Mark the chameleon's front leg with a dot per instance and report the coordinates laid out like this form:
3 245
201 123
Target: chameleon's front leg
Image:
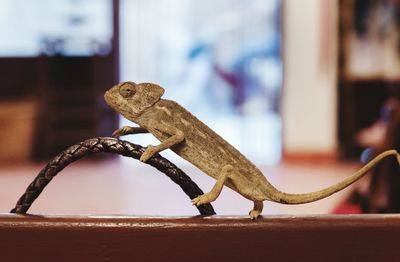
127 130
176 136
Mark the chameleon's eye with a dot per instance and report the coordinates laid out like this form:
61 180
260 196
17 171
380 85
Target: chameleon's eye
127 90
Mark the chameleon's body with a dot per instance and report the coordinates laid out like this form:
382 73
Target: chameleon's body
194 141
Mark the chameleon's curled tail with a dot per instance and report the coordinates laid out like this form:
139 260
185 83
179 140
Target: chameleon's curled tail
286 198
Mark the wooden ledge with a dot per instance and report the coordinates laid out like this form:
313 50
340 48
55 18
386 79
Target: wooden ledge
275 222
272 238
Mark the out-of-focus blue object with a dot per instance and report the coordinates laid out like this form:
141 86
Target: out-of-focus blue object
367 155
220 59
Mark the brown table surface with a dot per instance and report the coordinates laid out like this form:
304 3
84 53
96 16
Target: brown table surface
272 238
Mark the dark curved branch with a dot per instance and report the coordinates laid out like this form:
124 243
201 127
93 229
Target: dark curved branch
108 145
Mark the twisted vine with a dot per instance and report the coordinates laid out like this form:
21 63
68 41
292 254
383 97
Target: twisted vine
108 145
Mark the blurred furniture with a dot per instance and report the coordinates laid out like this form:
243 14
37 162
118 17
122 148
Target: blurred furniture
383 194
66 83
369 98
71 89
40 96
17 107
368 67
16 130
71 104
360 103
273 238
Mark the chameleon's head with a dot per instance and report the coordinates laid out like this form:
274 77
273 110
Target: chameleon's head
132 99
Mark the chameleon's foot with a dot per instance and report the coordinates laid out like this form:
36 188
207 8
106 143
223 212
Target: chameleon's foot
254 214
203 199
122 131
148 153
216 190
257 209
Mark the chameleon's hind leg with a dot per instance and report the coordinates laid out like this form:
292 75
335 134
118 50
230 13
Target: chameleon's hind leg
257 209
226 172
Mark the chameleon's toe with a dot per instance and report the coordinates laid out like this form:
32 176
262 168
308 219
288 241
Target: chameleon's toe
195 201
117 133
203 199
144 157
200 200
254 214
120 132
148 153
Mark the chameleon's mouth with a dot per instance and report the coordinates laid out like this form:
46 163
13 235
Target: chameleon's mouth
110 97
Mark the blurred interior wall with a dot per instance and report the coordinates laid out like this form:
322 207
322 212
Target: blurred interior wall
310 92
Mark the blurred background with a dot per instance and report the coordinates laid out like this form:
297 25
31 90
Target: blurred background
306 89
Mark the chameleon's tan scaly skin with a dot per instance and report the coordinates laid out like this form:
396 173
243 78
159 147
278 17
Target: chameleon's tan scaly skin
194 141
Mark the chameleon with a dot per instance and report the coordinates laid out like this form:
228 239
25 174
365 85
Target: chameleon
179 130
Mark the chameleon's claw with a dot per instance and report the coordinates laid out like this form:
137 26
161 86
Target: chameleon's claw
148 153
116 133
121 131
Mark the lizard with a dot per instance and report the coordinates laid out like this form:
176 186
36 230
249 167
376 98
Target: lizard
179 130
